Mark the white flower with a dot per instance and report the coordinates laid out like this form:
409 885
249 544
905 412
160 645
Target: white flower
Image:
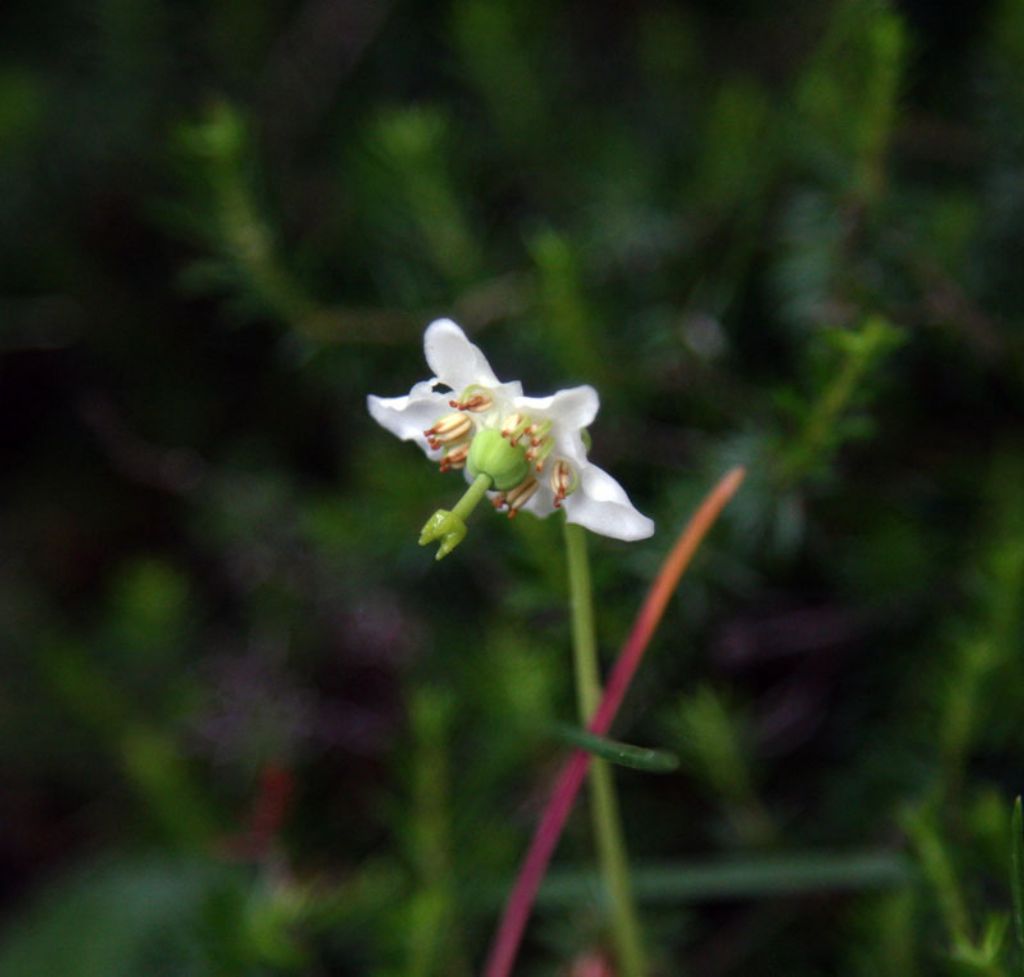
532 447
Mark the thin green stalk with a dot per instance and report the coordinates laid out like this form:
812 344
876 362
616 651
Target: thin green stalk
604 809
476 491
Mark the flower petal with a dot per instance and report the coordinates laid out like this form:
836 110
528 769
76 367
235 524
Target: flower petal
454 359
601 505
408 417
571 409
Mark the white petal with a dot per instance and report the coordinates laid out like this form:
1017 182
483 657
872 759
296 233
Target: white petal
408 417
454 359
571 409
601 505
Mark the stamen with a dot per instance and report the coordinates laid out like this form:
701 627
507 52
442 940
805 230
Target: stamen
512 424
538 452
455 457
449 429
474 398
538 432
516 498
514 427
563 481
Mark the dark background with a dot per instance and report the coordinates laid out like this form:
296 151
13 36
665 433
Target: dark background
249 727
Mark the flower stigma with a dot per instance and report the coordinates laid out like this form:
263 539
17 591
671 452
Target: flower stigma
450 526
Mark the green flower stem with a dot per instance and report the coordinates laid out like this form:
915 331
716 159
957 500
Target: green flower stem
473 495
605 808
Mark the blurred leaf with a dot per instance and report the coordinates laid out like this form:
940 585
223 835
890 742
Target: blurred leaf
492 41
413 199
712 743
156 768
122 917
738 150
741 878
149 610
621 754
570 329
848 93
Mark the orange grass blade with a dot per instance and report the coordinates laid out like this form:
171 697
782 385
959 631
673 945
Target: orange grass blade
570 779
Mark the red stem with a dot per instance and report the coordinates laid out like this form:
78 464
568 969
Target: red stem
570 779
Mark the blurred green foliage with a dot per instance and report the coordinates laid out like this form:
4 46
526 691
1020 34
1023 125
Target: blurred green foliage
248 727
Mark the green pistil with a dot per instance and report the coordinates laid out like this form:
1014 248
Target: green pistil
450 526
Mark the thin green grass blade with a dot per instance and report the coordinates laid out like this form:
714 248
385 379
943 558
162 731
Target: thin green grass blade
622 754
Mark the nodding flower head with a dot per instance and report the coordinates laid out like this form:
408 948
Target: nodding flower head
530 453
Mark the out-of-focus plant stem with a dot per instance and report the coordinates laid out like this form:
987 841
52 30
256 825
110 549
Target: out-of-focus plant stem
605 809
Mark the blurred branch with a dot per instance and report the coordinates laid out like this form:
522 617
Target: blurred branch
710 740
150 758
247 264
980 952
859 351
175 470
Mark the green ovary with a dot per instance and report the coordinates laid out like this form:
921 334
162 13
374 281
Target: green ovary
493 455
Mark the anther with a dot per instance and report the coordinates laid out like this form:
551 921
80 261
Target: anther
514 427
563 481
538 452
455 457
449 429
538 432
516 498
473 398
